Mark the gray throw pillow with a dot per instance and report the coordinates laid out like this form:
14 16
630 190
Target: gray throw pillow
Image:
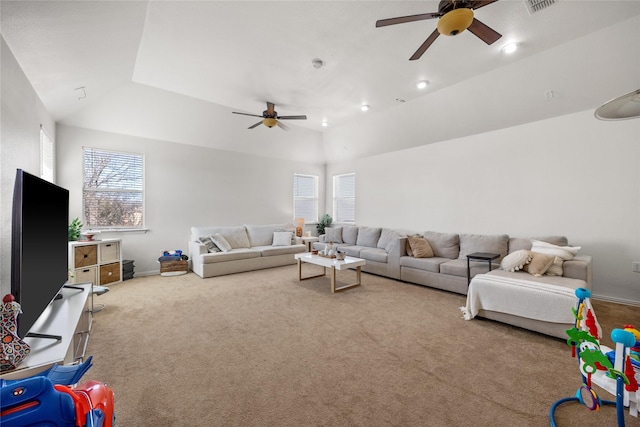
368 236
211 247
444 245
333 234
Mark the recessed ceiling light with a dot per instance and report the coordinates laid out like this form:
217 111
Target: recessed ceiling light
364 107
325 124
509 48
422 84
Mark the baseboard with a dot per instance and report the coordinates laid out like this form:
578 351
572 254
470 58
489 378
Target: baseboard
146 273
616 300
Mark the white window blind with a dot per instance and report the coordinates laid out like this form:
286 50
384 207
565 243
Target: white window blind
344 198
305 197
113 190
47 156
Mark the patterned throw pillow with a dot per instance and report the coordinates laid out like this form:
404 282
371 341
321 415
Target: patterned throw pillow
516 260
221 242
211 247
12 348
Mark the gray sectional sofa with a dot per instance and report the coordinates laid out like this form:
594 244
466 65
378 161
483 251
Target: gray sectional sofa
252 247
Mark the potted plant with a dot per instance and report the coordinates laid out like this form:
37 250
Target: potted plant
75 229
324 221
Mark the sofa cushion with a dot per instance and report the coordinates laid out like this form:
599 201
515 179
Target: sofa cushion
539 264
220 241
349 234
368 236
516 260
262 235
444 245
426 264
564 252
555 269
458 267
333 234
236 236
420 247
374 254
280 250
232 255
351 250
387 239
496 244
517 243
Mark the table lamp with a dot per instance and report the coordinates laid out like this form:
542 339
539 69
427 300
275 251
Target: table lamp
299 225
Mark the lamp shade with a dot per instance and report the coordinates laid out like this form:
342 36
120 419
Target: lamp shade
455 22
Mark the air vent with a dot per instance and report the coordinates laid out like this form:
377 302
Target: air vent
534 6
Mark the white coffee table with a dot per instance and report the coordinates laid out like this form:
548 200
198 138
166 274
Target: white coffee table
334 264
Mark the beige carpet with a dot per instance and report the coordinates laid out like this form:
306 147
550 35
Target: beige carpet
262 349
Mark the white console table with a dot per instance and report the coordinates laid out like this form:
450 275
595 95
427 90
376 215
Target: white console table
69 317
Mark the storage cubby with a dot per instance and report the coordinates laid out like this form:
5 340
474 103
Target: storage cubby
98 262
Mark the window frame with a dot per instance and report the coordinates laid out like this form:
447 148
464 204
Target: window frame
142 191
338 198
314 198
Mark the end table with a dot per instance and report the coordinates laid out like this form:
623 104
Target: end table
479 256
308 240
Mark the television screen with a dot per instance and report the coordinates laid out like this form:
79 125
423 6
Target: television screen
39 245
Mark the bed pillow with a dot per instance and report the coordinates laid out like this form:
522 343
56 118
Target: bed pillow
564 252
516 260
282 238
539 264
221 242
420 247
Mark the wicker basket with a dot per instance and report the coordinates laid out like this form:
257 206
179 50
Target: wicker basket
171 266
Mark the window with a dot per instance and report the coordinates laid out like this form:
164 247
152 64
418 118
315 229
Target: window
47 156
113 190
344 198
305 197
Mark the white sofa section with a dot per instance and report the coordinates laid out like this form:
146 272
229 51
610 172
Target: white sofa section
252 248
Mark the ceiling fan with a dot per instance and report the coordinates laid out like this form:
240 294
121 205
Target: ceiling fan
455 16
270 117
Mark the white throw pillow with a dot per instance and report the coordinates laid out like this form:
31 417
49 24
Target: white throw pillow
282 238
221 242
564 252
516 260
556 268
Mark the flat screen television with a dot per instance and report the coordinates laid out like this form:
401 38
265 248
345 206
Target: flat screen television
39 245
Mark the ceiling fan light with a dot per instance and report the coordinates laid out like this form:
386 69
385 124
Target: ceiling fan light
455 22
509 48
269 122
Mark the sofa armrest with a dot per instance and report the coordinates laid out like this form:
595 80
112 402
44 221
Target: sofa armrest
395 251
578 268
196 249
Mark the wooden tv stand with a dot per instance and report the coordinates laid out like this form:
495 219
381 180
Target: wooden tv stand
70 318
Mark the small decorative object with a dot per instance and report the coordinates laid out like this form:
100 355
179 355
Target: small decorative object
75 229
299 226
324 222
314 252
340 255
12 348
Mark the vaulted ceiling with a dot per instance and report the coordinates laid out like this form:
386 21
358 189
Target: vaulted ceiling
223 56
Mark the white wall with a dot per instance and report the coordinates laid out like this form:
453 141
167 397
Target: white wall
571 175
22 114
186 186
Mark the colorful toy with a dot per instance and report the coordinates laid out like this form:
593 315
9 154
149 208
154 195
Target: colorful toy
612 370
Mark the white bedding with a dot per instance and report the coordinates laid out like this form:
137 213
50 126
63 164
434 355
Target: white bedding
519 297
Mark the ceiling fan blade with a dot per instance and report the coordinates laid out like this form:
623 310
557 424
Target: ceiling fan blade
282 125
481 3
410 18
422 49
245 114
484 33
270 108
256 125
293 117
